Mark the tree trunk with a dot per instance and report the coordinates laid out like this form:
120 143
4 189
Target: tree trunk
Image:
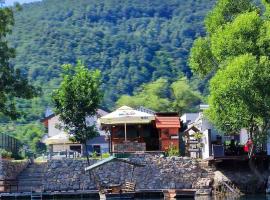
87 155
251 162
256 172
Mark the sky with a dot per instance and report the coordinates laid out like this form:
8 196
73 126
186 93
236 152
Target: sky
11 2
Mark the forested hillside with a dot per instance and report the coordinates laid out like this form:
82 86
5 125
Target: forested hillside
132 42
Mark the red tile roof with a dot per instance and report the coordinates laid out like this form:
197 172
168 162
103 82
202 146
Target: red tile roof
167 122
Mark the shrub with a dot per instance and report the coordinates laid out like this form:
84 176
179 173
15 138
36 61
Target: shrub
172 151
5 154
106 155
94 155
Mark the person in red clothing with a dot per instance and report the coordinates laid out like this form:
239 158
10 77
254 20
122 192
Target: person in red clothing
248 147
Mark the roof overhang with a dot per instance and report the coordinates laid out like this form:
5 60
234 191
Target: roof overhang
167 122
111 159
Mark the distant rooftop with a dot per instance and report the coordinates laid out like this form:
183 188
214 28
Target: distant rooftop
204 106
48 112
146 110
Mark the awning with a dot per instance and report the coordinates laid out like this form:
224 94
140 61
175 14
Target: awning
167 122
127 115
110 159
61 138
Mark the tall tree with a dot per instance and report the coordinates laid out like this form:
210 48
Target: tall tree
77 98
162 96
13 84
185 99
153 95
235 52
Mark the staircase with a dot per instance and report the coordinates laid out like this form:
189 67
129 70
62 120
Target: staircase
30 179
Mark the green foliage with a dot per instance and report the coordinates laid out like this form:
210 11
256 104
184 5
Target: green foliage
266 3
225 11
94 155
30 135
172 151
240 94
13 84
198 135
131 42
238 42
152 95
106 155
78 97
184 97
238 37
201 58
162 96
5 154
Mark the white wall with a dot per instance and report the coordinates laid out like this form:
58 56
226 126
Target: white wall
206 145
53 126
189 117
243 136
93 121
203 125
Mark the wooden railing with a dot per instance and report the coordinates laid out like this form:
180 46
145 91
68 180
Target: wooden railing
121 140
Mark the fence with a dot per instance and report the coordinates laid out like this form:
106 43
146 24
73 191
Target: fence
9 143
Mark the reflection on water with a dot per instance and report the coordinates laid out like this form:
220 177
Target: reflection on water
248 197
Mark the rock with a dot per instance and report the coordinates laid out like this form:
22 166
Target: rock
204 192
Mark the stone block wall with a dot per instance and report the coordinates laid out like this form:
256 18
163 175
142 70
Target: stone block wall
10 169
158 173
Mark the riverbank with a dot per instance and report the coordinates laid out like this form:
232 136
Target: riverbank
159 175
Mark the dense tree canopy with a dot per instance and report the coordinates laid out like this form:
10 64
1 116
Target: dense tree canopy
132 42
161 96
13 84
236 53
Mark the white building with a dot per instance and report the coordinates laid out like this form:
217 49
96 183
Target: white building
58 140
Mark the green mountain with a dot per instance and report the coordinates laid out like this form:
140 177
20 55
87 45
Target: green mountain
132 42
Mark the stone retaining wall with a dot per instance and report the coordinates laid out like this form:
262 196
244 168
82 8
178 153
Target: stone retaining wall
10 169
158 173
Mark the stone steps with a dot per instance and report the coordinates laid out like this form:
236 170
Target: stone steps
31 178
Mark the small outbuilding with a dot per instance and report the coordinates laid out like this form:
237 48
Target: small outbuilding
168 126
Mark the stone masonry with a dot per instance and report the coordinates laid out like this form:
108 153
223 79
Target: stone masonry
11 169
158 173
